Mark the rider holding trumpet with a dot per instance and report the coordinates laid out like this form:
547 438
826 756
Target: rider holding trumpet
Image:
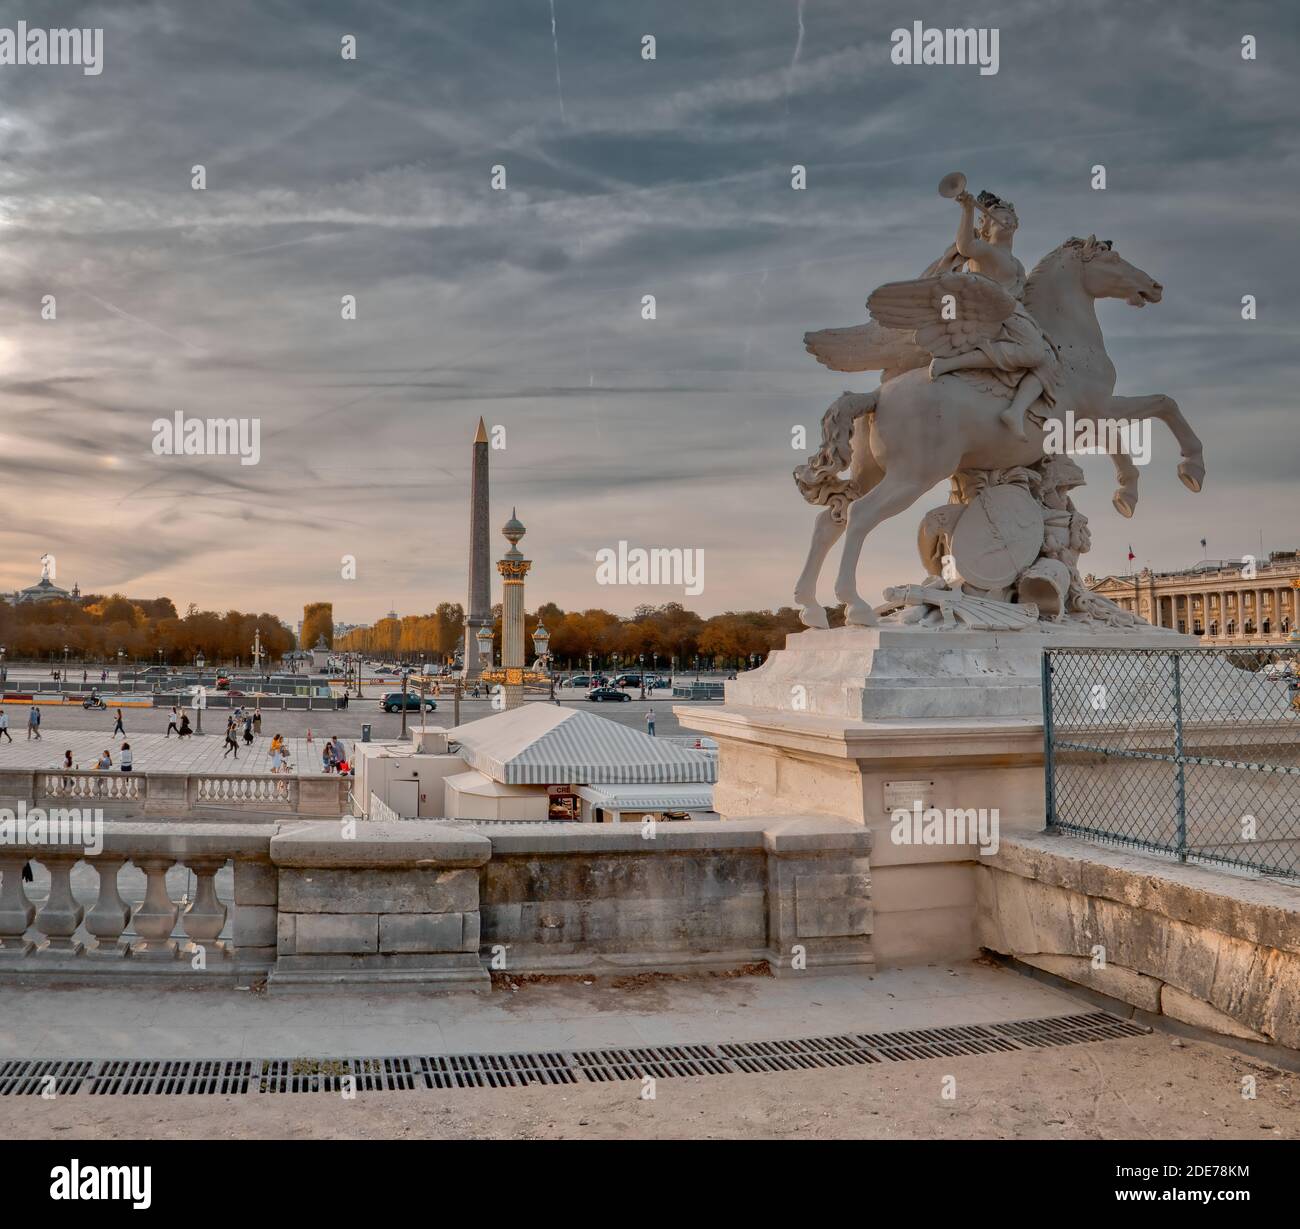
1020 356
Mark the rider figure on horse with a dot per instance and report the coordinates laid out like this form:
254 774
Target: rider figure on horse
1021 356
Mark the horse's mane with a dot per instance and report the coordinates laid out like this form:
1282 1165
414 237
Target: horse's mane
1085 249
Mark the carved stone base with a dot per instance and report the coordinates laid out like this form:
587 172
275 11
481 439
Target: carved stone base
903 672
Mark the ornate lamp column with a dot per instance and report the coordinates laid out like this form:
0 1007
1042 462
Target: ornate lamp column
513 568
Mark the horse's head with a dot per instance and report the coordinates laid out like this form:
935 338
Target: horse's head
1107 275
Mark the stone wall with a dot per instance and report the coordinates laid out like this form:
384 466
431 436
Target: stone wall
1214 950
378 902
438 903
794 893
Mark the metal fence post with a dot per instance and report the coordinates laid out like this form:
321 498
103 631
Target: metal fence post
1049 763
1180 777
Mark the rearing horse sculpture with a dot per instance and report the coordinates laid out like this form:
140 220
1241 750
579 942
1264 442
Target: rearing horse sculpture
916 430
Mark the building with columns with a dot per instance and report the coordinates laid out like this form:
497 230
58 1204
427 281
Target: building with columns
1216 600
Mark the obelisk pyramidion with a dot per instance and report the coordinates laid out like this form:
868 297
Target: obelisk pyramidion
479 610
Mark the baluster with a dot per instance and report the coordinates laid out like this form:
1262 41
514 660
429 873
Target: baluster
60 915
155 916
110 914
16 911
206 915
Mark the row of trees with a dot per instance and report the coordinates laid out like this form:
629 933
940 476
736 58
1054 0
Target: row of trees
99 628
657 634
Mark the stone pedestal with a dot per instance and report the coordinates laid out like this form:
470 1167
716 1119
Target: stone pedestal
861 723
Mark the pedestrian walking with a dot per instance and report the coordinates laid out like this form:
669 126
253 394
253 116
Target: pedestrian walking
650 722
118 727
124 760
4 726
172 724
184 731
232 743
248 731
34 723
83 678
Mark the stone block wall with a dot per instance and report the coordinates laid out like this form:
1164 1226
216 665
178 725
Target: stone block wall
794 893
1198 945
381 902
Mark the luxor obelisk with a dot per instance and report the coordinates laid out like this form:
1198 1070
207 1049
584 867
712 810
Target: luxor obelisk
479 611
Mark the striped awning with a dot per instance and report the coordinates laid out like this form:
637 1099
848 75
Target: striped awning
543 744
648 797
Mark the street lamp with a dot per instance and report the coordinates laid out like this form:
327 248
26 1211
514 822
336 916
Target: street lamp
484 638
542 646
200 697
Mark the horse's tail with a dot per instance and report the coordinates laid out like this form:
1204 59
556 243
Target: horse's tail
819 478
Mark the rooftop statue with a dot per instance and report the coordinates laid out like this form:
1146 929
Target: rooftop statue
975 358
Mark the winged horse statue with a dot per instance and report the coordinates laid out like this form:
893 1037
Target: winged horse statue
974 357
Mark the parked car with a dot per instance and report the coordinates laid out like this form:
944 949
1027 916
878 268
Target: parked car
585 680
607 693
392 702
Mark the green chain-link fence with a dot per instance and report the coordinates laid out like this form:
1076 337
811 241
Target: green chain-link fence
1191 752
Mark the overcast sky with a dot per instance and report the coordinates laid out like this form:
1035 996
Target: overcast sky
626 177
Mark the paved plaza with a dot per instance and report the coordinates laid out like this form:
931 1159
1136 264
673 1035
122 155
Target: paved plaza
159 752
346 723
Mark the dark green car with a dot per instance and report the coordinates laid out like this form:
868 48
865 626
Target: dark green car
392 702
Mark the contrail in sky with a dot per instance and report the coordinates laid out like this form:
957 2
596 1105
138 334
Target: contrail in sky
555 42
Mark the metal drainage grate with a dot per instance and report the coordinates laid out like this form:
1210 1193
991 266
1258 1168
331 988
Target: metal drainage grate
44 1076
661 1062
175 1077
752 1056
1070 1030
952 1042
496 1070
131 1077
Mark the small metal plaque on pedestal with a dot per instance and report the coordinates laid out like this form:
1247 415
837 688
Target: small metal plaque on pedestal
904 795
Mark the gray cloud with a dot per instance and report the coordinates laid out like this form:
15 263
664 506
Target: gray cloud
669 178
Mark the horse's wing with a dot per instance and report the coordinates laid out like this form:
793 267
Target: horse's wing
864 347
978 308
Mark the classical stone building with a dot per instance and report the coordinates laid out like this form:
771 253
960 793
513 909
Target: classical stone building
1215 600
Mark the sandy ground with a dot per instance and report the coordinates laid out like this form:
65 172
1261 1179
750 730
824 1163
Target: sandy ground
1152 1087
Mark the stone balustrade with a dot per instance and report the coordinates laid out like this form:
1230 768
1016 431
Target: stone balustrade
179 795
65 936
440 904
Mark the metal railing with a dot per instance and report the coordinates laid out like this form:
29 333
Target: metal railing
1188 752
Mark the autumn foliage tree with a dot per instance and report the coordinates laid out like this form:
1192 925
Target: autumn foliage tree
317 625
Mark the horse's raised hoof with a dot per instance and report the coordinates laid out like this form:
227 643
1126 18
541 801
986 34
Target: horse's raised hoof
1193 474
860 614
1125 501
813 615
